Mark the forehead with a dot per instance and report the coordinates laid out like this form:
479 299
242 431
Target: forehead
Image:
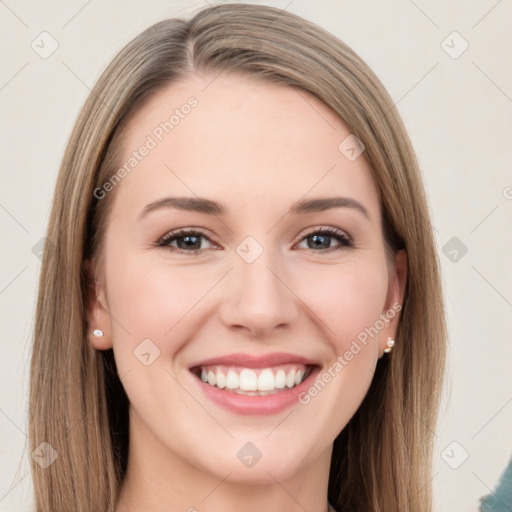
240 140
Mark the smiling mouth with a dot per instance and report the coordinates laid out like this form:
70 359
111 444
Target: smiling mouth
253 381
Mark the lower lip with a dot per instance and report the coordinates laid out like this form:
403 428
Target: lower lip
257 405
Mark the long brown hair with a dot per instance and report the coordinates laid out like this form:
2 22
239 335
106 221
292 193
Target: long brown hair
382 459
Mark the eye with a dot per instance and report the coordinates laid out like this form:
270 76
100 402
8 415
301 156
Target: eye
318 240
188 241
321 238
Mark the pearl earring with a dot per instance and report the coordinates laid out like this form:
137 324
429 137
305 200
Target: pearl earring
389 345
97 333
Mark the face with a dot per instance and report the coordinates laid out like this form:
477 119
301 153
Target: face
244 247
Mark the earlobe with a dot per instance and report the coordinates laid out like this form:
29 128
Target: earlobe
390 343
98 319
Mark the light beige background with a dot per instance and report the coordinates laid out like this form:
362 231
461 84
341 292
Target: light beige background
459 115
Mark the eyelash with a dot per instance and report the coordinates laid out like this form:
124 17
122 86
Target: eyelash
345 241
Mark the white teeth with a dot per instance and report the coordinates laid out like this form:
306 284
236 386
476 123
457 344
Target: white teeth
290 379
221 380
232 380
212 379
266 380
280 379
248 381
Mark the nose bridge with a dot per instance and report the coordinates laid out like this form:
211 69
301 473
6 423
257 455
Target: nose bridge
258 297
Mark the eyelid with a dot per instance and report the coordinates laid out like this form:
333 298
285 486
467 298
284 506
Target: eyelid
181 232
322 228
348 241
201 231
328 230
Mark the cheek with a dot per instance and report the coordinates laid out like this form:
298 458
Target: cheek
347 298
154 310
149 300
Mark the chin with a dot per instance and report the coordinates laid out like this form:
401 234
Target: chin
272 466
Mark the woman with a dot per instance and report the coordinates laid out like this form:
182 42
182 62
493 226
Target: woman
240 306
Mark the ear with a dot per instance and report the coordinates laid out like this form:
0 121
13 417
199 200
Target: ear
394 299
97 313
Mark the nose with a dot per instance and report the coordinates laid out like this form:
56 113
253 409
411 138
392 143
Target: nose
257 298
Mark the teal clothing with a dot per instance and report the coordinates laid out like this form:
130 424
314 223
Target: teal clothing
500 500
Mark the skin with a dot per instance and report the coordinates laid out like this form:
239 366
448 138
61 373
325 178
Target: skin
257 148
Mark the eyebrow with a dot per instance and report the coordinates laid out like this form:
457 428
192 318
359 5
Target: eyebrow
209 207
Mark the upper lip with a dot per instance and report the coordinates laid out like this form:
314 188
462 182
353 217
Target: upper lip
252 361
